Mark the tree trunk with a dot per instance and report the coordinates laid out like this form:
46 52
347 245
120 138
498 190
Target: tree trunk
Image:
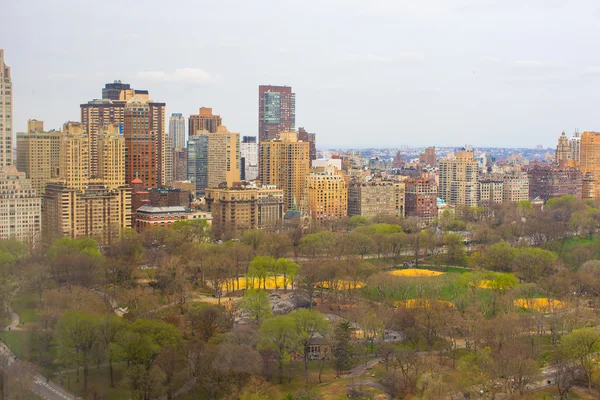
110 368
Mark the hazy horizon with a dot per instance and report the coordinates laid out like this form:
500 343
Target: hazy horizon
376 74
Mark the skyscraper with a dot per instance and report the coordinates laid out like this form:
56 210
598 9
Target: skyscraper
310 138
38 154
249 158
276 111
112 91
74 156
205 120
326 194
177 130
145 141
5 113
214 158
458 179
285 162
111 157
589 159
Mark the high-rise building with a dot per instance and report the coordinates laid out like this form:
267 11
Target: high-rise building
205 120
242 208
515 188
276 111
376 198
6 115
429 157
111 157
97 212
490 191
285 163
548 182
96 114
145 142
589 158
74 156
214 158
421 198
38 154
561 156
177 130
458 179
112 91
326 194
179 165
249 158
20 207
310 138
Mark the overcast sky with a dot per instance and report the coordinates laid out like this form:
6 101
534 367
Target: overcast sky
510 73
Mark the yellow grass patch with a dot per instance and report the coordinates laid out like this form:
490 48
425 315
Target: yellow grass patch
416 272
420 303
249 283
484 284
541 304
343 284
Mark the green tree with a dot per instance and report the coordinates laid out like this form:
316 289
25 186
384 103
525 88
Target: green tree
499 257
582 346
279 334
260 268
317 245
309 326
77 335
455 249
288 270
341 347
109 328
256 303
477 371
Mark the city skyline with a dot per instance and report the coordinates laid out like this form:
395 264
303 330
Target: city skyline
444 86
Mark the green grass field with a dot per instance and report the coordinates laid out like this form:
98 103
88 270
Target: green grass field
26 305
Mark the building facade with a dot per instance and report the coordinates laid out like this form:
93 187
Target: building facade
177 130
205 120
148 217
589 159
546 182
145 142
241 208
458 179
249 158
376 198
490 191
516 188
111 157
326 194
6 114
38 154
74 156
428 157
311 138
179 164
97 212
20 207
285 163
421 198
276 111
112 91
214 158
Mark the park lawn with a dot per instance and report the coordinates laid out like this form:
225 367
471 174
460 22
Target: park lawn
26 304
20 342
551 393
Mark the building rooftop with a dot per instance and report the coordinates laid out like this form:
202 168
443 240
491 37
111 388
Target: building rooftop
162 210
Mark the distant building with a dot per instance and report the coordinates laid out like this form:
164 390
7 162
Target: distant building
490 191
112 91
177 130
214 158
421 198
148 217
97 212
6 114
326 194
249 158
285 163
245 207
324 162
458 179
547 182
428 157
156 197
38 154
376 198
20 206
146 142
74 156
205 120
179 164
567 153
515 188
589 158
276 111
310 138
